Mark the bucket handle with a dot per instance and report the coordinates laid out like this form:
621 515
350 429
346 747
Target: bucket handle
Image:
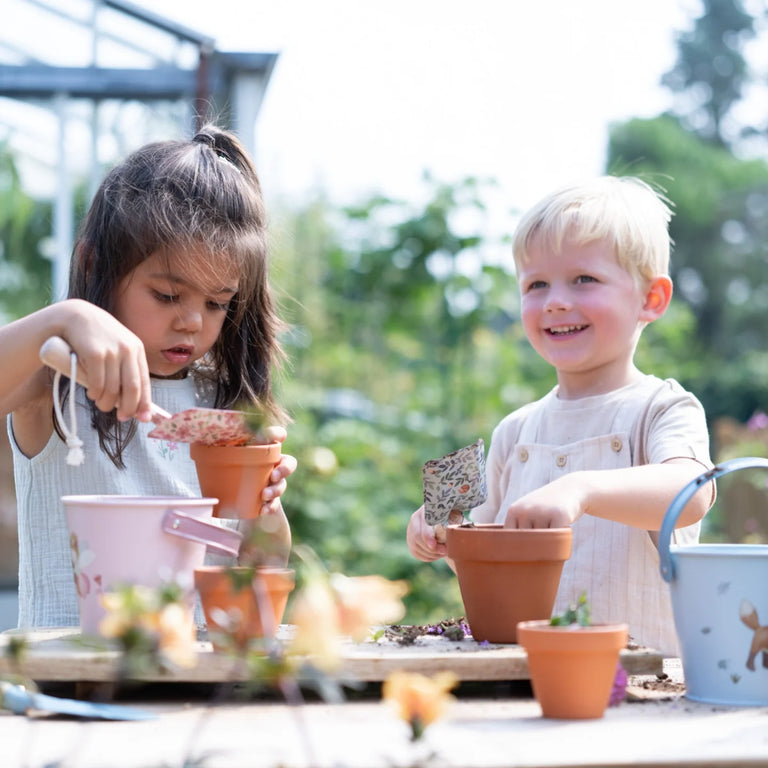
682 498
223 541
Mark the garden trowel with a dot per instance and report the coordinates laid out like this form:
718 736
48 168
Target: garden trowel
207 426
22 701
454 484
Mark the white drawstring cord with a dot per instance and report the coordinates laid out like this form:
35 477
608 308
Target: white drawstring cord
75 457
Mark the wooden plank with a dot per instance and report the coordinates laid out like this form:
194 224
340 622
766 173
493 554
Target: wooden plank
65 655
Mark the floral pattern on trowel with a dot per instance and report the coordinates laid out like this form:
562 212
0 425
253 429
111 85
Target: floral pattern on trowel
208 426
454 482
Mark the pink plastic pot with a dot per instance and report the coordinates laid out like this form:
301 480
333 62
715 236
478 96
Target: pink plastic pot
144 540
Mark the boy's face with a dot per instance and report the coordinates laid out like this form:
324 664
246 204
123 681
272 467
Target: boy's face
176 306
583 314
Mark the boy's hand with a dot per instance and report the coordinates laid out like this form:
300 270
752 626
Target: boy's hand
555 505
421 539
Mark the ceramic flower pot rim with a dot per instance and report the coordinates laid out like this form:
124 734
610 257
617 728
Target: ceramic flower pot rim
486 529
257 569
546 625
552 637
225 454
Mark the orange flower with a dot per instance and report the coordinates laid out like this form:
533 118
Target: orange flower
175 630
420 700
326 610
363 601
315 619
148 621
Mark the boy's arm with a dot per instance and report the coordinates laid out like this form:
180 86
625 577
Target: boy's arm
636 496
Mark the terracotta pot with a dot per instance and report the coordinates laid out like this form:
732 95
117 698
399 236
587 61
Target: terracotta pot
238 474
507 575
572 668
257 605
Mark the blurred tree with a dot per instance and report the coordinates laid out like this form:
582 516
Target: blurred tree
719 257
711 72
720 198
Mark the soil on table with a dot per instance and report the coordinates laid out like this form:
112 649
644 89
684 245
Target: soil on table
658 688
407 634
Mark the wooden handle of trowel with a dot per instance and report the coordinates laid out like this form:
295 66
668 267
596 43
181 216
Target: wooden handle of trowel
456 517
55 353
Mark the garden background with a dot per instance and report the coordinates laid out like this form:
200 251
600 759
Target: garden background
404 341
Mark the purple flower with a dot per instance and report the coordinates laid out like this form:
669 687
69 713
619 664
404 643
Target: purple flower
619 690
758 420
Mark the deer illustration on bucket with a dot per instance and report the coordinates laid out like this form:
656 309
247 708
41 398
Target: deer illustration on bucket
748 615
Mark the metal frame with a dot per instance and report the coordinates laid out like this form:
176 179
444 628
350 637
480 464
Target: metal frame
222 83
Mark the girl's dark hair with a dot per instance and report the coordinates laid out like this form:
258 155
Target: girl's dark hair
197 193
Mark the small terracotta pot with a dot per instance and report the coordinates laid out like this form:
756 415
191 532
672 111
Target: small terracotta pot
572 668
238 474
258 605
507 575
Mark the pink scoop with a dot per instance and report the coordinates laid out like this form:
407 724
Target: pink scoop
207 426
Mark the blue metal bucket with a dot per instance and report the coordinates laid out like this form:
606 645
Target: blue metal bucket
720 602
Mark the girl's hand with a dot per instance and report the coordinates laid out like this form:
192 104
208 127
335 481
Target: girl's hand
421 539
555 505
111 358
287 466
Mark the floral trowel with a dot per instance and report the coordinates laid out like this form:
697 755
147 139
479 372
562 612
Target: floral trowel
454 484
208 426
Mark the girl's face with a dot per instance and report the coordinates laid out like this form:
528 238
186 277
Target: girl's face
583 313
176 304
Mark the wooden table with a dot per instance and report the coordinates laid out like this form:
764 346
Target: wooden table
482 732
494 726
65 655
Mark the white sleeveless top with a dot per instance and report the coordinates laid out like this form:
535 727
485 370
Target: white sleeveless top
646 422
47 596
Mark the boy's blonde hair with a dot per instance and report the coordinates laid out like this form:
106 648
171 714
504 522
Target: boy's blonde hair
623 211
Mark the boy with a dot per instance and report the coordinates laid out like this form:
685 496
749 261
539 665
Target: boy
609 447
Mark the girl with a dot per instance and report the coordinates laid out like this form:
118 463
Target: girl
168 302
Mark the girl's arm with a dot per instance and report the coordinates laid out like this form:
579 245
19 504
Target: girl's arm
111 357
636 496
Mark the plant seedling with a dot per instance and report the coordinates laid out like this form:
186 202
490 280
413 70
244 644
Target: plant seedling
576 614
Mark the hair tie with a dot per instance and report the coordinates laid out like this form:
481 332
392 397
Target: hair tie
221 153
75 456
204 138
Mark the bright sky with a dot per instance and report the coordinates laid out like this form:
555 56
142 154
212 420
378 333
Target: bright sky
367 95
